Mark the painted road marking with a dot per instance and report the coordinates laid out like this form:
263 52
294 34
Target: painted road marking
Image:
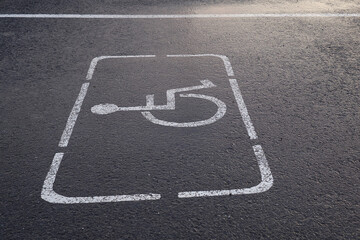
217 116
170 16
265 184
51 196
97 59
267 180
108 108
243 110
73 116
225 60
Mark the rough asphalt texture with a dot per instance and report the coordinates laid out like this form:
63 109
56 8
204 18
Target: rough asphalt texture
299 79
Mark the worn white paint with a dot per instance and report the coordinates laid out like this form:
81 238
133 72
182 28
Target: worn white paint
218 115
73 116
108 108
265 184
171 16
243 110
224 58
48 193
170 105
95 61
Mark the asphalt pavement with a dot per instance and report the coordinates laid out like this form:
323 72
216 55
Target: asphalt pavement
243 127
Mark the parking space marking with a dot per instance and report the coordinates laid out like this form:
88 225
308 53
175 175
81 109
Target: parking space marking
65 137
266 183
169 16
267 180
48 193
97 59
225 59
243 110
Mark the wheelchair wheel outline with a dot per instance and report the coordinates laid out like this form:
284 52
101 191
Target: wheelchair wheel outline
217 116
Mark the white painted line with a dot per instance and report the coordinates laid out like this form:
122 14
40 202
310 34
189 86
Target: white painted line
49 195
266 181
73 116
97 59
218 115
243 110
224 58
171 16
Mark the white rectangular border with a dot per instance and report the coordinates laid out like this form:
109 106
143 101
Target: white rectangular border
48 193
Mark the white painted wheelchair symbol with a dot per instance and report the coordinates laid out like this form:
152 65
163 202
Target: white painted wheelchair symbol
170 105
50 195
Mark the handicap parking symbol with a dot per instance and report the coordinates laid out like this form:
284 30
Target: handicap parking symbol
147 111
170 105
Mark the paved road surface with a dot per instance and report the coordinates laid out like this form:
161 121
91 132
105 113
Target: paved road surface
297 134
